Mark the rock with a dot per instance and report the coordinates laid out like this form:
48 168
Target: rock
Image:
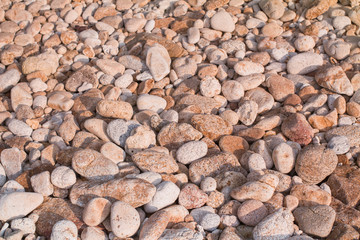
61 100
64 229
304 43
174 135
334 79
246 68
9 79
261 190
340 22
210 86
96 211
337 48
135 24
158 61
2 176
166 194
280 87
110 67
213 4
11 162
316 220
91 233
93 165
222 21
339 144
342 232
272 30
180 233
210 221
263 99
113 152
344 189
251 212
20 96
13 205
304 63
63 177
310 195
191 196
151 102
97 127
142 138
193 35
212 166
26 225
124 219
54 210
191 151
232 90
352 132
277 225
114 109
273 8
320 7
45 62
297 129
206 104
117 189
41 183
211 126
119 130
284 158
85 75
155 161
314 163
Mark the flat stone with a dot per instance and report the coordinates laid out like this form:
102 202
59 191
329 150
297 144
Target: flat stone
166 194
310 195
155 161
158 61
84 75
9 79
314 163
110 67
114 109
18 204
297 129
117 189
304 63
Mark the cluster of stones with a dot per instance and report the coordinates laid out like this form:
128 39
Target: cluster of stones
179 119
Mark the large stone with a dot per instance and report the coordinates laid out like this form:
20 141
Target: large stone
84 75
304 63
9 79
273 8
334 79
314 163
46 62
352 132
345 214
136 192
310 195
297 129
316 220
114 109
158 61
344 189
212 166
18 204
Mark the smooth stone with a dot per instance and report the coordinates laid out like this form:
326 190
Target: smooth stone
124 219
64 229
11 162
47 62
339 144
304 63
166 194
13 205
310 195
191 196
283 157
151 102
114 109
246 68
251 212
119 130
222 21
63 177
334 79
191 151
113 152
158 61
9 79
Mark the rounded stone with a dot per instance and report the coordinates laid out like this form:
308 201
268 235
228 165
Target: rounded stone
208 184
166 194
304 43
251 212
151 102
64 229
191 151
96 211
210 221
124 219
222 21
113 152
304 63
283 157
63 177
339 144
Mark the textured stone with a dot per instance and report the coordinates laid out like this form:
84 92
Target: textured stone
304 63
96 211
158 61
211 126
84 75
124 219
114 109
191 196
117 189
297 129
334 79
310 195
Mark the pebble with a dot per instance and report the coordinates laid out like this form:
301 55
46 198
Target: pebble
64 229
246 68
92 233
191 196
119 130
9 79
151 102
304 43
279 223
124 219
232 90
158 61
313 169
339 144
113 152
222 21
12 205
96 211
93 165
273 8
26 225
210 221
41 183
211 126
316 220
280 87
340 22
11 162
63 177
210 86
251 212
310 195
334 79
284 158
193 35
114 109
208 184
166 194
337 48
141 138
191 151
304 63
2 175
297 129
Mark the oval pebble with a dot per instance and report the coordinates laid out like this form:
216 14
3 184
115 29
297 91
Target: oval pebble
151 102
166 194
63 177
96 211
283 157
304 63
124 219
64 229
191 151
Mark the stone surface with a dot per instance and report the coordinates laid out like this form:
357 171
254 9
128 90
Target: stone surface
191 196
151 102
297 129
117 189
222 21
211 126
334 79
114 109
166 194
124 219
64 229
191 151
310 195
158 61
304 63
315 220
251 212
96 211
314 163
